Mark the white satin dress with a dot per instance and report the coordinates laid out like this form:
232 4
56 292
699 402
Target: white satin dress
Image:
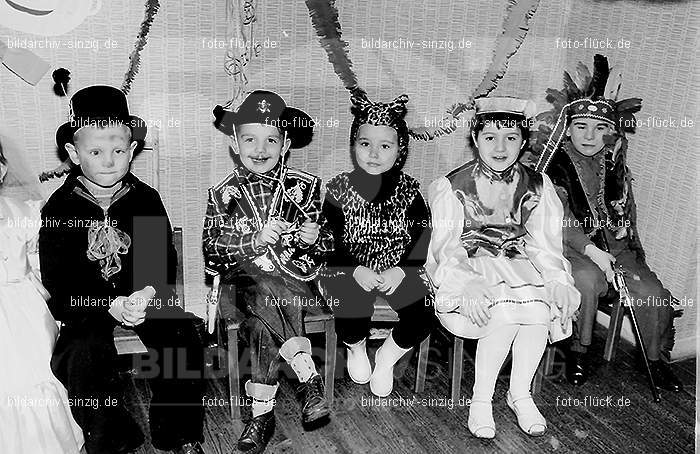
35 416
467 251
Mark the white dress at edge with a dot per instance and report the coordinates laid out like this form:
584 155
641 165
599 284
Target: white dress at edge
35 416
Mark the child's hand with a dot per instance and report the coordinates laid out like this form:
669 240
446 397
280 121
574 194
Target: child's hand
119 311
308 233
270 234
602 259
392 279
366 278
135 306
116 308
476 306
558 295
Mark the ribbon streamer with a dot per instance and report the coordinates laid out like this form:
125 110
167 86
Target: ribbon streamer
135 57
324 16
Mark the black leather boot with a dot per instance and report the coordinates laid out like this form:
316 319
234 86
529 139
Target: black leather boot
315 405
664 377
257 433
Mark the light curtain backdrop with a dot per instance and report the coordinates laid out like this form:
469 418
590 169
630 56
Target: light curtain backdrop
182 78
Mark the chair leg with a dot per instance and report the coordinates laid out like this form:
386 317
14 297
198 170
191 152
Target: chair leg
331 355
549 357
422 365
544 369
234 374
616 317
457 359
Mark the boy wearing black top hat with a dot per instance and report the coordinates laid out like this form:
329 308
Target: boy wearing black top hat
261 233
107 258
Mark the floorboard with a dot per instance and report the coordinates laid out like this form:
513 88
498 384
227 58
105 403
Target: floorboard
580 420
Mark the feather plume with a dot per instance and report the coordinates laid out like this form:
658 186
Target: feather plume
572 90
612 87
515 28
601 71
135 57
632 105
583 76
324 16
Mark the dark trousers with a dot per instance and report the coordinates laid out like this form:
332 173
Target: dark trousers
85 359
274 308
652 302
355 307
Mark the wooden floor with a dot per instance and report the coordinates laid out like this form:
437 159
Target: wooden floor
580 420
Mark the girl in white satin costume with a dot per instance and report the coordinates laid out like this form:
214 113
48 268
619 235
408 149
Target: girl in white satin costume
496 261
35 415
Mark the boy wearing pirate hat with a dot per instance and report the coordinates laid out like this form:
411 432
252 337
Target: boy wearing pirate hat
261 233
107 258
585 155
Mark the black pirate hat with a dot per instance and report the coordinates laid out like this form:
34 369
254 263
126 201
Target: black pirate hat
267 108
101 106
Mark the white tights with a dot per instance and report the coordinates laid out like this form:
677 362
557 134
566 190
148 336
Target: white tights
528 344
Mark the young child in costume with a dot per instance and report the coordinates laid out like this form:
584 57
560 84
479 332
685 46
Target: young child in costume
380 227
586 157
261 233
496 261
107 258
34 412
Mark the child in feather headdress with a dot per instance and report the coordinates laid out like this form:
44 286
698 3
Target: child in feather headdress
585 155
380 226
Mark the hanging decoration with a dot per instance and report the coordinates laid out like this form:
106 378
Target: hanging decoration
240 17
324 16
135 57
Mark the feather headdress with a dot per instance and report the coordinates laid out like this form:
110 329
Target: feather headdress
584 96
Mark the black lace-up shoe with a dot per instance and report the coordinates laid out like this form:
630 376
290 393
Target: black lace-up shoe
189 448
257 433
315 405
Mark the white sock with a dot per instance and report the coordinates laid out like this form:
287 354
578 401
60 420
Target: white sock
491 352
303 365
263 397
528 348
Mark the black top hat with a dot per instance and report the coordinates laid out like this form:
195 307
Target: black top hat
101 106
268 108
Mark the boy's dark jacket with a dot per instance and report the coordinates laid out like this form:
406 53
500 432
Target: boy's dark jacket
79 292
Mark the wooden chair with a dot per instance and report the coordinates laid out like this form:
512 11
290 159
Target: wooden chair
226 312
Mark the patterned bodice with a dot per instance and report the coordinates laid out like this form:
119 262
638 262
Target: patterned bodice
375 233
495 216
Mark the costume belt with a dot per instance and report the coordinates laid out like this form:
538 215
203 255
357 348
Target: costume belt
512 248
